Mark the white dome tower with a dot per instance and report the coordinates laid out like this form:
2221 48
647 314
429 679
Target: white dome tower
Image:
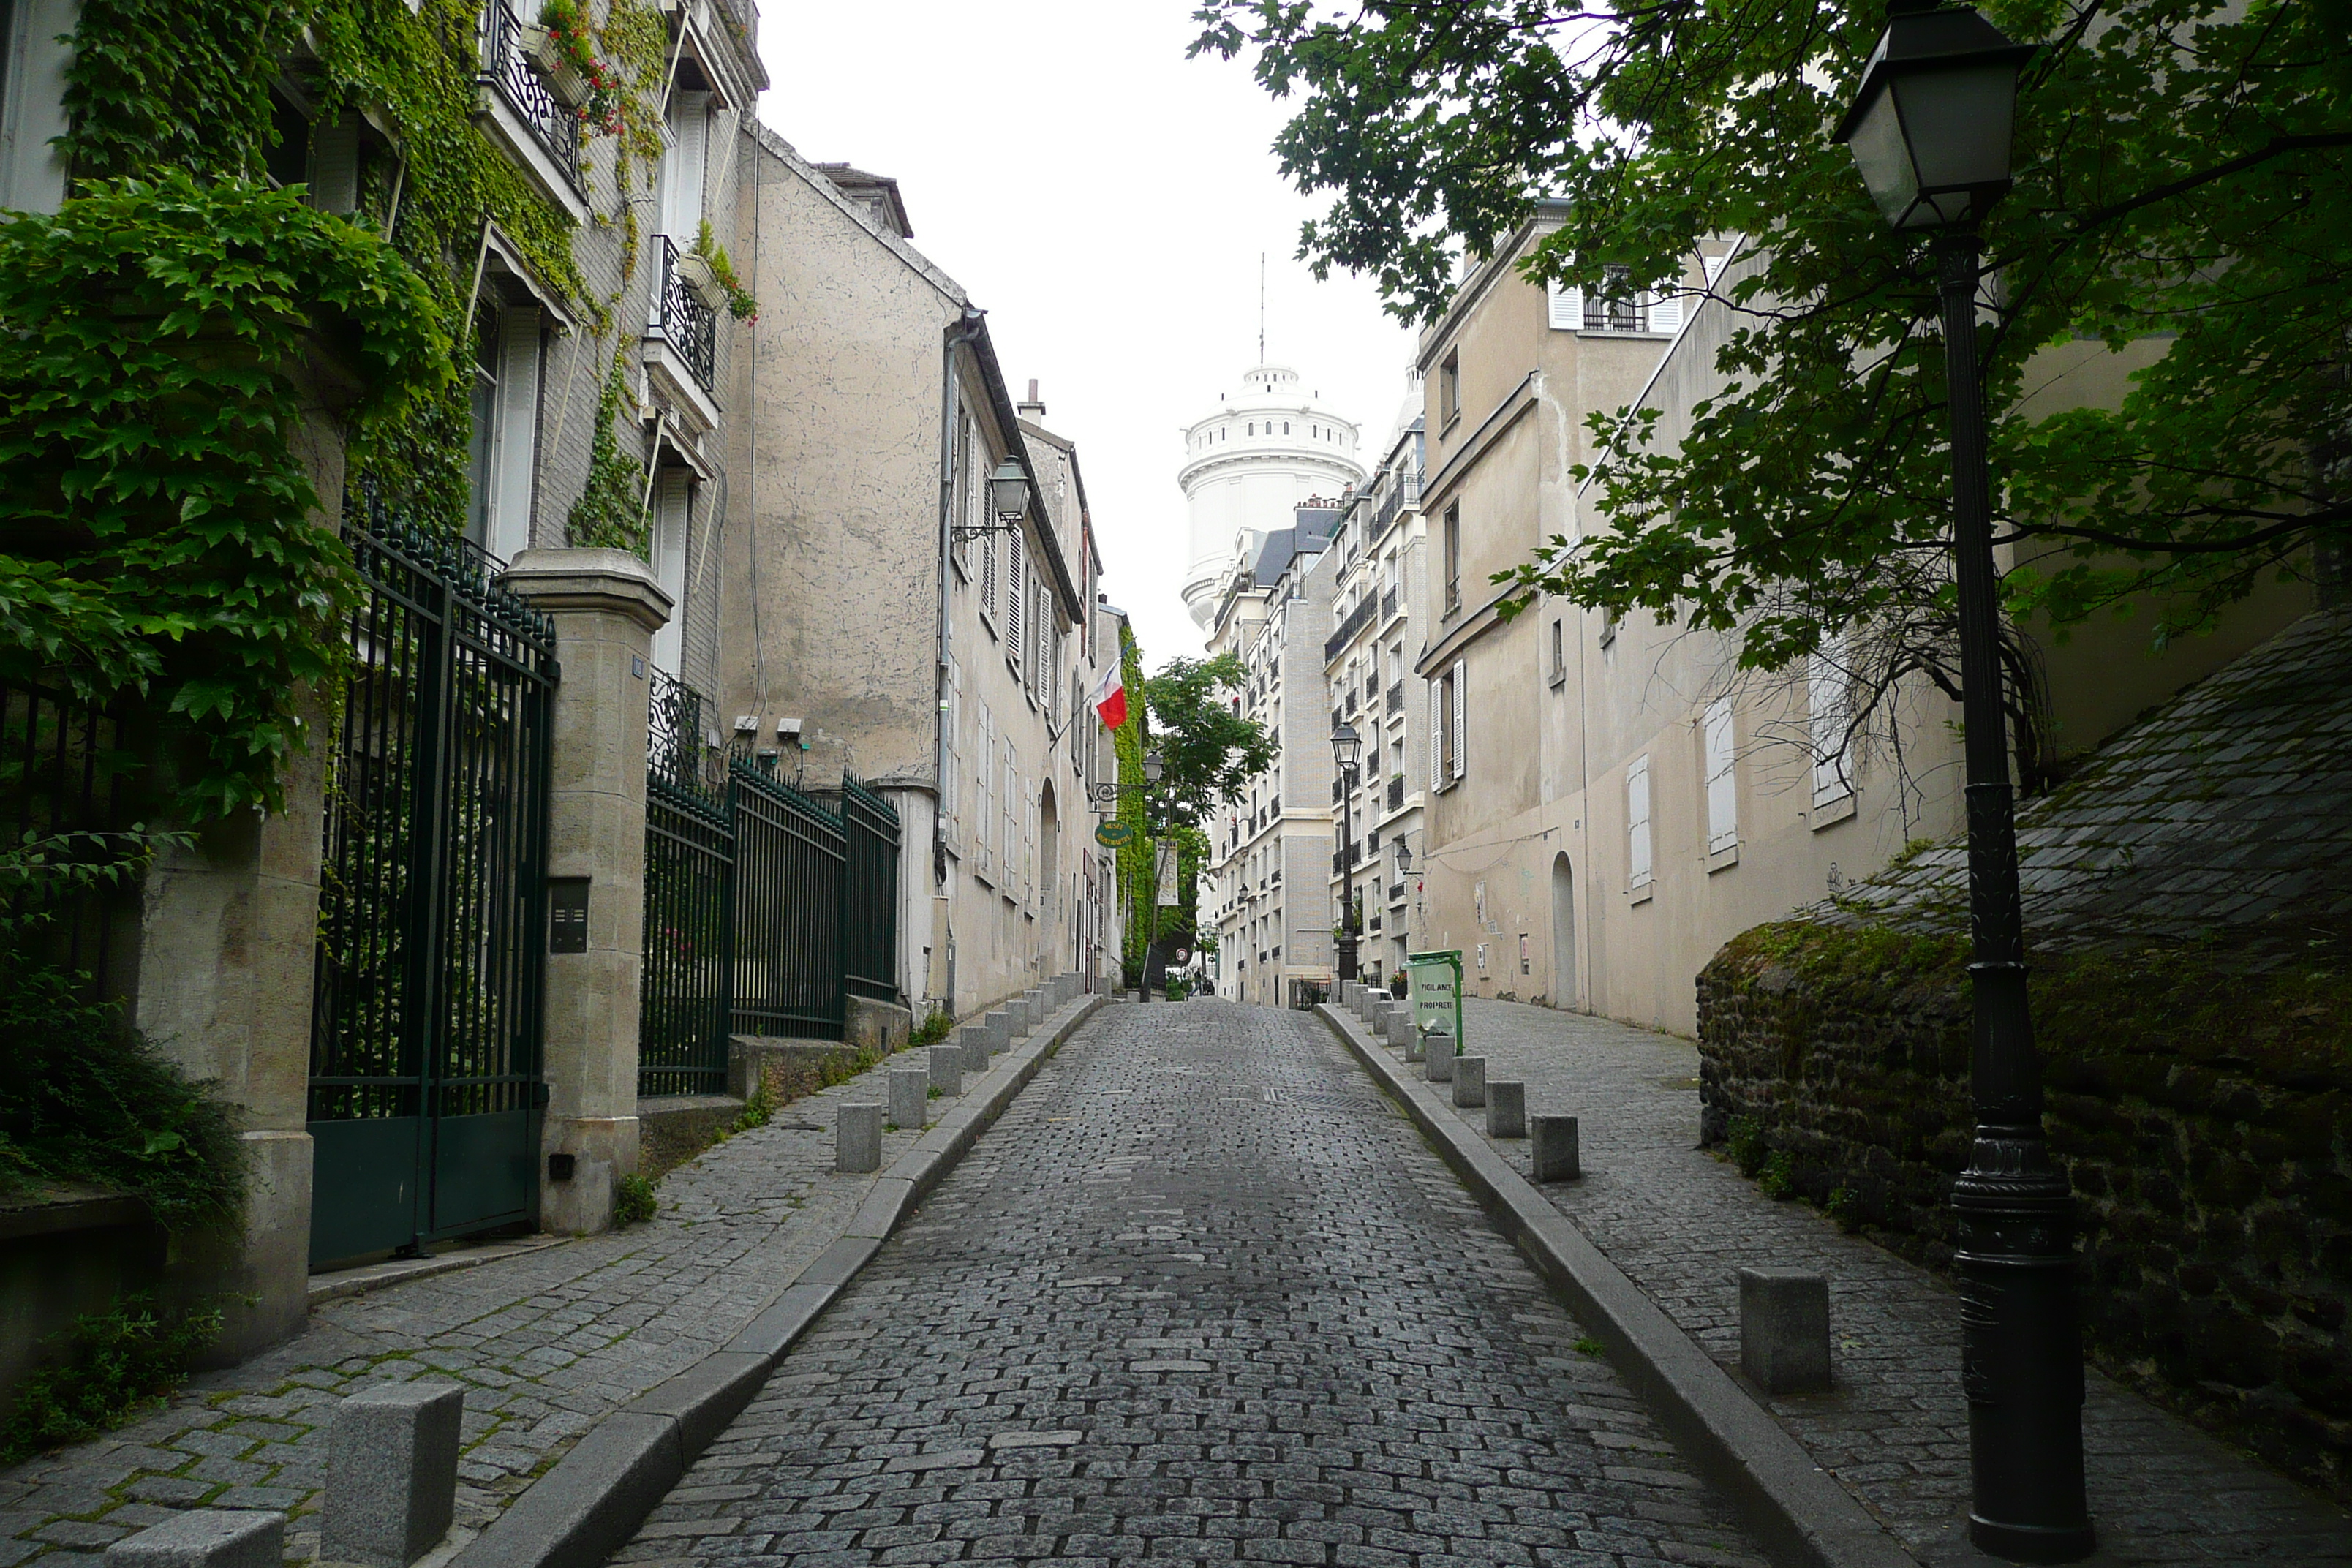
1265 449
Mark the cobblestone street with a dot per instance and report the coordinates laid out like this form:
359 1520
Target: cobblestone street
1202 1294
1893 1430
546 1343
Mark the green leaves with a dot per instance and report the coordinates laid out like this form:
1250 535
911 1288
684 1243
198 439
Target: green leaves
1209 750
2165 341
157 531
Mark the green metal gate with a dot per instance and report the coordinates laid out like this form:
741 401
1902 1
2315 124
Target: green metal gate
869 892
425 1089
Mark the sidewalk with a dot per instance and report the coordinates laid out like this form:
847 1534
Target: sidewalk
547 1341
1895 1431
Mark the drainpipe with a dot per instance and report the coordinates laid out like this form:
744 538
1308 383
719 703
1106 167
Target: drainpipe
962 331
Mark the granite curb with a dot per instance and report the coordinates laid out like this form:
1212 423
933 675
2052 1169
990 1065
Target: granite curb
594 1499
1801 1513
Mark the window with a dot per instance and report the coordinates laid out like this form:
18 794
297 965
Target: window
1559 653
1449 389
1722 780
1616 309
672 502
1454 557
1015 595
1637 823
681 172
32 101
1449 731
502 455
1831 711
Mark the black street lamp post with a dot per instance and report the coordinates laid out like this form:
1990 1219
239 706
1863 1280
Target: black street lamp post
1930 131
1345 749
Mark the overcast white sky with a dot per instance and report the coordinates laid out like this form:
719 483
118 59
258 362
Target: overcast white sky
1105 199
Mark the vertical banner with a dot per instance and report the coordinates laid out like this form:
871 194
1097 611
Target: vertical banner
1171 890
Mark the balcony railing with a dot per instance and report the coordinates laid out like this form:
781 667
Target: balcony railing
1388 603
1396 697
1396 791
1358 619
684 319
556 128
1404 491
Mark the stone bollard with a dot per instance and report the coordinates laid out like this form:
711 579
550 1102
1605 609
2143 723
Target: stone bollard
999 1032
206 1538
974 1040
1507 1109
1469 1081
1551 1148
1784 1329
947 1068
391 1473
1399 1025
1416 1045
1437 1057
858 1138
907 1096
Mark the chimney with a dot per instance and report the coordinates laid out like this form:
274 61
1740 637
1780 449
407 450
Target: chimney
1030 408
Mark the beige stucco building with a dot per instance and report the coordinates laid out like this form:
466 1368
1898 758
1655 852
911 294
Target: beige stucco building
1613 800
874 599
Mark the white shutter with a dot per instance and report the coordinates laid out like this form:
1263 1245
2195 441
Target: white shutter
1637 822
1461 718
1722 781
1713 266
1666 312
1566 307
951 770
983 775
1436 735
1825 698
1015 591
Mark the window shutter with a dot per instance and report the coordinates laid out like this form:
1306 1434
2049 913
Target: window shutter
1637 822
1666 312
988 573
1437 721
952 773
1722 781
1566 307
1461 716
1015 591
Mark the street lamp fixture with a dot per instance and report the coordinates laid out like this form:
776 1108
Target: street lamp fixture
1347 747
1930 132
1008 491
1404 858
1154 768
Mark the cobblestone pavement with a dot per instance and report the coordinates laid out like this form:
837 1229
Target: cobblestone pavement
546 1343
1894 1430
1202 1294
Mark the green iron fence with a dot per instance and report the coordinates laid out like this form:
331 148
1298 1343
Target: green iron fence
791 859
869 895
683 1015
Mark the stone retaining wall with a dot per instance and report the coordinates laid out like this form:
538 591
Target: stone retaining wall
2200 1110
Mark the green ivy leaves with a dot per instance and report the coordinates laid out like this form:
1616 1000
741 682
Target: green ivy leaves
157 529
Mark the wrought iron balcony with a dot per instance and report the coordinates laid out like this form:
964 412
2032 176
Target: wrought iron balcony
1396 697
1388 603
684 319
1403 490
504 69
1396 791
1358 619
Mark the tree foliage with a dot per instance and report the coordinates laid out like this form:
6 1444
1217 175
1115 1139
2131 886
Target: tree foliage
2182 196
1208 748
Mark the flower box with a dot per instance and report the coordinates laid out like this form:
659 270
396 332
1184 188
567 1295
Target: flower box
696 270
545 54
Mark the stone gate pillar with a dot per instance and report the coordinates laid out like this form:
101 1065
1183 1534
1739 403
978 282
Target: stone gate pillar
606 606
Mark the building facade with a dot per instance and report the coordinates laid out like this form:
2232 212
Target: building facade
879 602
1377 567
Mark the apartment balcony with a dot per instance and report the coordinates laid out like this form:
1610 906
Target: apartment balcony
519 113
682 340
1405 492
1396 697
1357 620
1388 604
1396 892
1396 791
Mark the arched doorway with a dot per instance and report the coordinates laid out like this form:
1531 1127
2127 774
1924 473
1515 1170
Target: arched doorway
1564 932
1049 850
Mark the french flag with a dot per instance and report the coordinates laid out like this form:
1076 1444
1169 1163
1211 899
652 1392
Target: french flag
1110 697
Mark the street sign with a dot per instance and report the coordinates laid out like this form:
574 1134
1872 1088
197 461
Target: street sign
1114 835
1437 992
